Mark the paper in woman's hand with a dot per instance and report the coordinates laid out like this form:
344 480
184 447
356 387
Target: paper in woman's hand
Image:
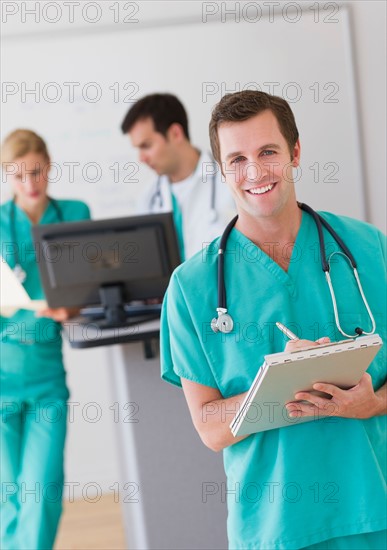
13 296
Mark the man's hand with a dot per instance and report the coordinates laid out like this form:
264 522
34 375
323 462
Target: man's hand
357 402
293 345
58 314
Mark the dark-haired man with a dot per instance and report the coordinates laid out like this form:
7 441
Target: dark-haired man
319 484
188 182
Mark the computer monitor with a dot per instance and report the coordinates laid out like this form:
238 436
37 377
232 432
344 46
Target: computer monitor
107 262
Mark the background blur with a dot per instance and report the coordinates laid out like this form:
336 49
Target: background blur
71 70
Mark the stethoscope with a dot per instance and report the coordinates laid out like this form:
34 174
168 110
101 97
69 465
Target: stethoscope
19 272
224 322
158 196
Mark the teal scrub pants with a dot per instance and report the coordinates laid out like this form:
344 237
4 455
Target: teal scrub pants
365 541
31 459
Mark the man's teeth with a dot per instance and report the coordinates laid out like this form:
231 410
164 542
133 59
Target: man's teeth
261 190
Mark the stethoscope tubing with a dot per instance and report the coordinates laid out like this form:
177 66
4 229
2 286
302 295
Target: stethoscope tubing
12 224
157 194
222 248
320 222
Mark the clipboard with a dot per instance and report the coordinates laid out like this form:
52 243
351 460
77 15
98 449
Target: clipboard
284 374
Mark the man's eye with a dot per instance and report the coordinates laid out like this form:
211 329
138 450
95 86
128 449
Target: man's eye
268 153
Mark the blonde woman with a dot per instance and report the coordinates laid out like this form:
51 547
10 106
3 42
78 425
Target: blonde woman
33 381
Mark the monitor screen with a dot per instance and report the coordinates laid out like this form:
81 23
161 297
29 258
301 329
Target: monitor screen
116 261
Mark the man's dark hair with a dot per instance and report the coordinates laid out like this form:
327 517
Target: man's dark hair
163 109
241 106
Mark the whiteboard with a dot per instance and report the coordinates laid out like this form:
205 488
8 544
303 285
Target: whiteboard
85 82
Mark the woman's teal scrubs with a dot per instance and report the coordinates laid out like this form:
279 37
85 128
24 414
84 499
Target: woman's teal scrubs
296 486
33 397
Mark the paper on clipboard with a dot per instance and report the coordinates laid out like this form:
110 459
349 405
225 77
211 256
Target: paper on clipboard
12 293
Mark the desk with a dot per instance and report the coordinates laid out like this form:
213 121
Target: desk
84 334
172 488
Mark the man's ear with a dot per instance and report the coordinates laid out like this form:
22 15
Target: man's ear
296 154
175 133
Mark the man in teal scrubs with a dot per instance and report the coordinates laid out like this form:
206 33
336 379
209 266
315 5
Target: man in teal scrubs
33 387
319 484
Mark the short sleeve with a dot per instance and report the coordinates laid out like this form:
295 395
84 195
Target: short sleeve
182 354
84 211
74 210
383 245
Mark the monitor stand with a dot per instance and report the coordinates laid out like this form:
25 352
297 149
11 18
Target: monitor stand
114 313
113 306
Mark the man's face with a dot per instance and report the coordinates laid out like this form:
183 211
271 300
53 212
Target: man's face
155 150
257 165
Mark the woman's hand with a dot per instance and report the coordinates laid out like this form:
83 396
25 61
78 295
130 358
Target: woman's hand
59 314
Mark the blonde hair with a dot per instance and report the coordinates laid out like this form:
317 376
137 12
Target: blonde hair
21 142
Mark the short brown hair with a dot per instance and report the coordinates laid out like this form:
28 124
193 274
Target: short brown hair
241 106
163 109
21 142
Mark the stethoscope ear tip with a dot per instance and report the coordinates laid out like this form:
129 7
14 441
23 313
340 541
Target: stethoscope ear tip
359 331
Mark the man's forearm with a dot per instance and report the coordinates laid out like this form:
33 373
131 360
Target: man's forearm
215 422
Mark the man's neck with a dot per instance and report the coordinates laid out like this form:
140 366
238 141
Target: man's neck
186 163
274 235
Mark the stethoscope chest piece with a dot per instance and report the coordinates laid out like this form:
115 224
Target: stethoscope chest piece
223 323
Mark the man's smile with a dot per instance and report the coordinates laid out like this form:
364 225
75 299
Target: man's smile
262 189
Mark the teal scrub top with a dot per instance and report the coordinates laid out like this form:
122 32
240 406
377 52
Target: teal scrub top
295 486
31 347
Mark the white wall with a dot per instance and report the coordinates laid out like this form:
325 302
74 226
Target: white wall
369 31
91 455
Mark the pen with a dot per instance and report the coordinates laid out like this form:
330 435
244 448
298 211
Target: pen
287 332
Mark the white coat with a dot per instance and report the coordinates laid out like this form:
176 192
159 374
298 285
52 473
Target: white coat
204 200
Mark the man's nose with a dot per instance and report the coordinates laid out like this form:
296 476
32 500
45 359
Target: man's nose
143 156
255 171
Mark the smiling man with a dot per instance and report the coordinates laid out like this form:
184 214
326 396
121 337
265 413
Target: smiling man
257 162
314 485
